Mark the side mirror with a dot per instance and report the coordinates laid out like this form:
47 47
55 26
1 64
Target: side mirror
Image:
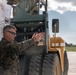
55 25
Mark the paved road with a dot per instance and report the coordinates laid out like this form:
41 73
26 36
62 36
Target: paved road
72 63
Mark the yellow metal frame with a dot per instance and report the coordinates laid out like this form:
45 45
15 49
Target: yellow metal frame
57 44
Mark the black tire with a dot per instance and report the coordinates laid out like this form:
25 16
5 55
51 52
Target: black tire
51 65
66 64
24 64
35 65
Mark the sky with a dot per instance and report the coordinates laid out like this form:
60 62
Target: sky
65 11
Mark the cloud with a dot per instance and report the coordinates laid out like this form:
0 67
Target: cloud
62 5
65 1
74 3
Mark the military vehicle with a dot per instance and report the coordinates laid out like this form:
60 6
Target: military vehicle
49 56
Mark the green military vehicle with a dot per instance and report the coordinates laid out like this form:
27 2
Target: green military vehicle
49 56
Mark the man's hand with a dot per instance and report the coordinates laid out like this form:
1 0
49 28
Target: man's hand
38 36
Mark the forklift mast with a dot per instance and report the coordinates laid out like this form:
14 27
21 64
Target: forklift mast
28 20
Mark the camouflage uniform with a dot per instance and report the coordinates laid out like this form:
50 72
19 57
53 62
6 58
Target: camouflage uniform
9 53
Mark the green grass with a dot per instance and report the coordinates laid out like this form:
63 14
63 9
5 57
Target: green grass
70 48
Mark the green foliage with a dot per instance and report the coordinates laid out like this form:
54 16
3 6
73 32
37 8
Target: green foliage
70 48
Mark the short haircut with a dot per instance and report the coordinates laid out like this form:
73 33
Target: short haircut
7 27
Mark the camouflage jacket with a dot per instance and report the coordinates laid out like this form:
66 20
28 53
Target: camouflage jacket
9 53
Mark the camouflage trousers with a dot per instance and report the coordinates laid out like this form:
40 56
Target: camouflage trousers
10 71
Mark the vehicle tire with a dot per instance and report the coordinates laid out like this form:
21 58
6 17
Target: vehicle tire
51 65
24 64
66 64
35 65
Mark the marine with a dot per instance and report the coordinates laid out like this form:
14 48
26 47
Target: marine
10 50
